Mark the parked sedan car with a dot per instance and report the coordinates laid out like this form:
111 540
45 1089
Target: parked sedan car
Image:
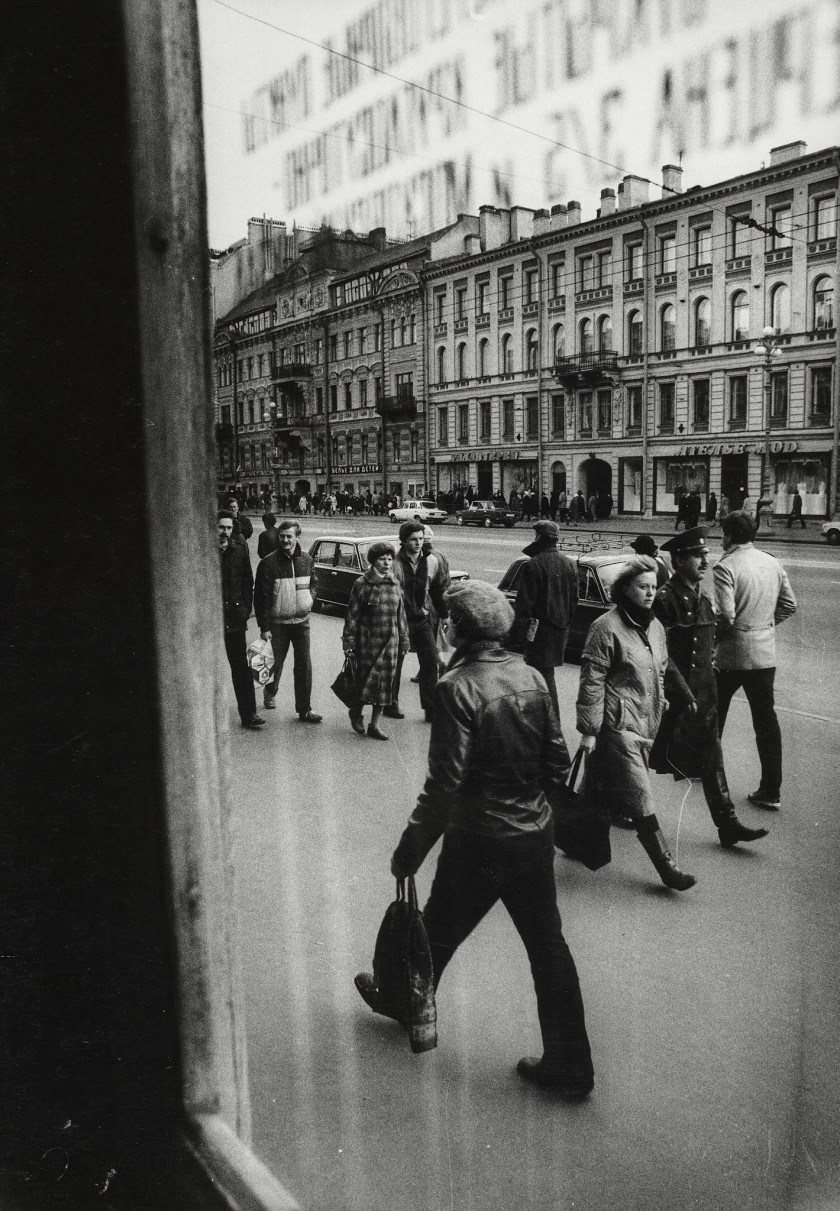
485 513
418 510
831 530
595 573
339 561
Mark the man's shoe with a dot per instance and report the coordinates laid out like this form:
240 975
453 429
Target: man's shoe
759 799
268 702
393 712
310 717
254 723
569 1084
415 680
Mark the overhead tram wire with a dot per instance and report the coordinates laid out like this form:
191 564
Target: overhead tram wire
464 105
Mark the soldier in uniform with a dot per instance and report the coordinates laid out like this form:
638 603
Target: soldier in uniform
687 744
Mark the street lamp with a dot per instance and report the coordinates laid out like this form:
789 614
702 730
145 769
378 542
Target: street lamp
769 350
271 414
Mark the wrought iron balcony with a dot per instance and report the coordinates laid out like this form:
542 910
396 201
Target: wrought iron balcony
286 371
401 406
586 367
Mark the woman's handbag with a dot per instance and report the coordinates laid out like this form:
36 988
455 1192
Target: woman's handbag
581 822
346 684
402 969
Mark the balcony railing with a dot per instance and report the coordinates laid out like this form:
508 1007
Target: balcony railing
588 366
283 371
401 406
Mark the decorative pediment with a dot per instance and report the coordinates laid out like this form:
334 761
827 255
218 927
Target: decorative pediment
400 279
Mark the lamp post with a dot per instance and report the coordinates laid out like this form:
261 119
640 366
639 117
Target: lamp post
769 349
270 414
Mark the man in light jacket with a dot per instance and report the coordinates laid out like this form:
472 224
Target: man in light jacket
752 595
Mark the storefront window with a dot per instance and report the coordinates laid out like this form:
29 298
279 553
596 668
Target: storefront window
810 476
675 476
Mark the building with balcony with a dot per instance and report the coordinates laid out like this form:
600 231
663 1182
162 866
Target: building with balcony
618 354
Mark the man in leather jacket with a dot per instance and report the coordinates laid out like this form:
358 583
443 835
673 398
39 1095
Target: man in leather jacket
687 744
496 758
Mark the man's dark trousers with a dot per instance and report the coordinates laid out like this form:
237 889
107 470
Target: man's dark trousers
758 687
473 872
423 643
296 636
243 681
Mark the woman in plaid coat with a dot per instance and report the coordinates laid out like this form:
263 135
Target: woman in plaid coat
376 634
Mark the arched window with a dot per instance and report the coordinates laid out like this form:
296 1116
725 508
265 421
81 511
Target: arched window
667 328
780 308
823 303
605 334
461 361
586 336
740 312
702 322
506 350
558 341
635 334
531 349
441 365
482 356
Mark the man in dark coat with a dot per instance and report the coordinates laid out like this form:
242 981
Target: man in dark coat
242 526
497 760
687 744
237 598
796 510
423 579
545 603
267 541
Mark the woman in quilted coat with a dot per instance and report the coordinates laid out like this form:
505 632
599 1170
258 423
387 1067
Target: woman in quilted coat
376 634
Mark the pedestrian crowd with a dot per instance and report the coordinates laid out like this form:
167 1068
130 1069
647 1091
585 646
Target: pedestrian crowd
658 673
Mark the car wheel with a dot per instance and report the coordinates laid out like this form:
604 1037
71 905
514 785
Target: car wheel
487 523
459 520
833 537
393 516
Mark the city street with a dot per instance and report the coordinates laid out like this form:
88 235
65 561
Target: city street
712 1015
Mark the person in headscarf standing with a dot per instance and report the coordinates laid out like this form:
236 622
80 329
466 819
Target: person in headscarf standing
621 701
376 635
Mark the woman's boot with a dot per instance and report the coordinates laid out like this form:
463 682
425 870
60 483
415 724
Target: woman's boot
730 829
357 721
650 835
374 729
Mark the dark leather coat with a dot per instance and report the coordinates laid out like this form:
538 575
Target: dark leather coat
547 594
237 586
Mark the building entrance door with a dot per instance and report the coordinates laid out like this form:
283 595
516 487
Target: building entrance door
733 478
484 480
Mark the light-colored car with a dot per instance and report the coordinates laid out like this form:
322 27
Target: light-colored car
831 530
340 560
417 510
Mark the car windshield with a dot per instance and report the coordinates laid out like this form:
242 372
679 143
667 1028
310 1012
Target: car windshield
608 574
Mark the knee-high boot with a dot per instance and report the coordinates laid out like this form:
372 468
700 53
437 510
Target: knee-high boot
722 810
650 835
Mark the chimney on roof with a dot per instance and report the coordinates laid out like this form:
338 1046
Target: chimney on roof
572 214
559 216
542 222
491 225
635 191
671 179
378 237
472 245
787 151
521 223
607 202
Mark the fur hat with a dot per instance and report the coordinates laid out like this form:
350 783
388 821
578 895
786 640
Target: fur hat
378 548
480 609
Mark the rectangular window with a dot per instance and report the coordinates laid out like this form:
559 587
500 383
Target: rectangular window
440 302
397 445
463 422
333 347
668 254
319 400
505 292
739 236
557 279
377 338
461 303
347 340
507 418
405 386
633 254
363 340
532 413
348 397
585 408
484 420
825 217
604 274
333 397
225 414
666 407
363 398
415 446
364 444
780 222
779 398
700 399
377 390
250 367
738 401
558 414
586 279
702 245
821 395
319 350
530 286
634 408
443 426
300 354
482 289
605 411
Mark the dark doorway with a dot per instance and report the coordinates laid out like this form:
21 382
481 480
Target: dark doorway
595 475
558 477
733 478
485 481
302 487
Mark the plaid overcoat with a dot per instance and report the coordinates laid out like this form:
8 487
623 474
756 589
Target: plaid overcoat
376 630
